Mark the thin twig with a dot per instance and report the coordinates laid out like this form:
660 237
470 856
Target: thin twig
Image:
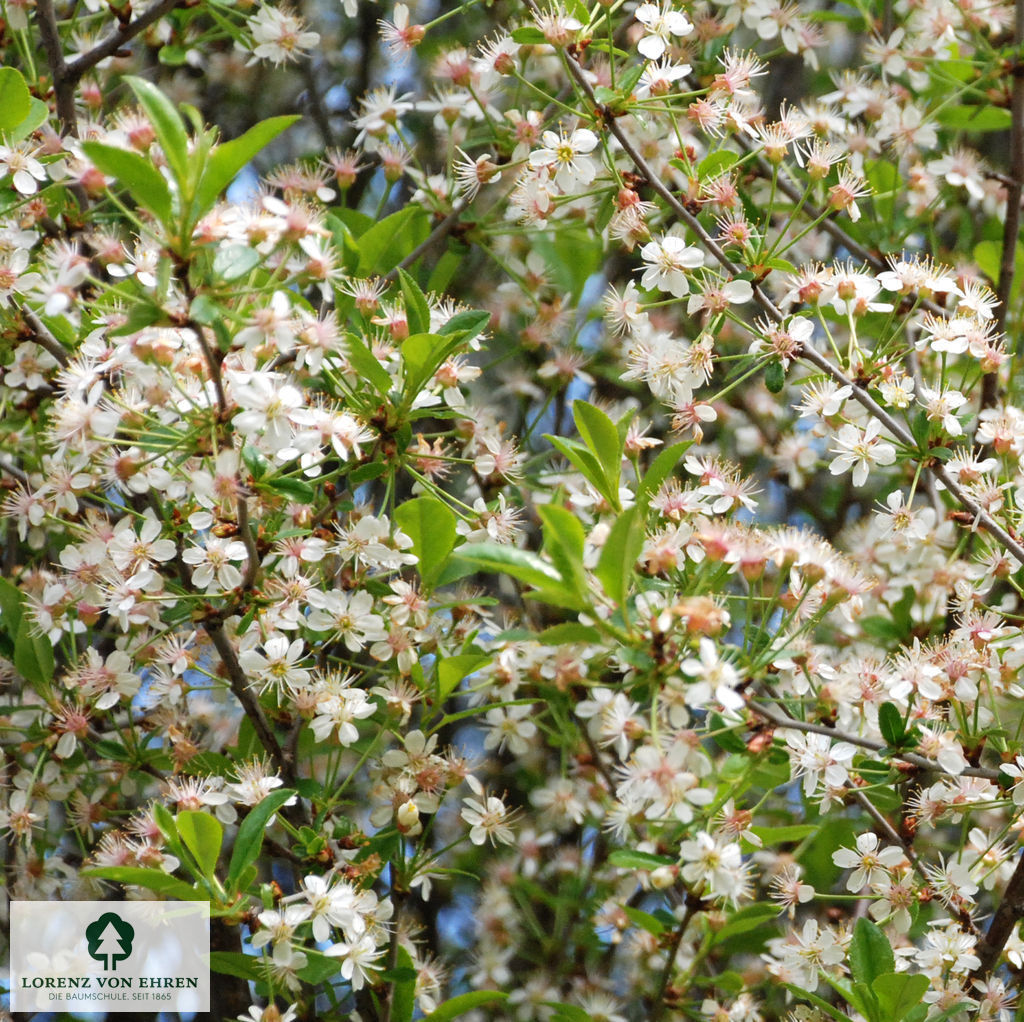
693 905
891 833
44 338
112 43
250 704
252 554
444 228
14 472
784 721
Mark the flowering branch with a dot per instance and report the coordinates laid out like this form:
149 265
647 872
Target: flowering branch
784 721
1014 193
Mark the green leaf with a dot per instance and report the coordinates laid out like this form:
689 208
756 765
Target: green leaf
528 36
644 920
10 607
366 365
568 1012
143 182
388 242
403 993
467 324
254 462
294 489
203 836
464 1003
870 953
583 460
250 833
818 1002
774 377
508 560
234 261
975 118
715 164
563 541
784 835
619 555
15 99
168 126
33 654
417 311
627 83
318 967
898 993
452 669
229 158
601 437
37 115
890 723
746 919
430 524
629 858
659 470
234 963
422 356
568 632
152 879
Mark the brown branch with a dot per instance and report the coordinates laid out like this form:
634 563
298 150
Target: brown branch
784 721
1009 911
250 704
44 338
49 34
444 228
113 42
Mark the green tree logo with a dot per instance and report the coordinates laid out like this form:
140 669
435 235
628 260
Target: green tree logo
110 940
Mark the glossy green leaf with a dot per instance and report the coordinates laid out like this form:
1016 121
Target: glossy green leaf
628 858
38 114
366 365
388 242
430 524
152 879
898 993
33 654
563 542
508 560
870 953
250 833
228 158
417 311
15 99
234 261
294 489
234 963
403 992
168 126
203 836
143 182
452 669
465 1003
619 554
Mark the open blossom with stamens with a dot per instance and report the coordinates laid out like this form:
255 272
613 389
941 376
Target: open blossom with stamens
566 158
280 36
667 260
860 450
869 862
661 23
